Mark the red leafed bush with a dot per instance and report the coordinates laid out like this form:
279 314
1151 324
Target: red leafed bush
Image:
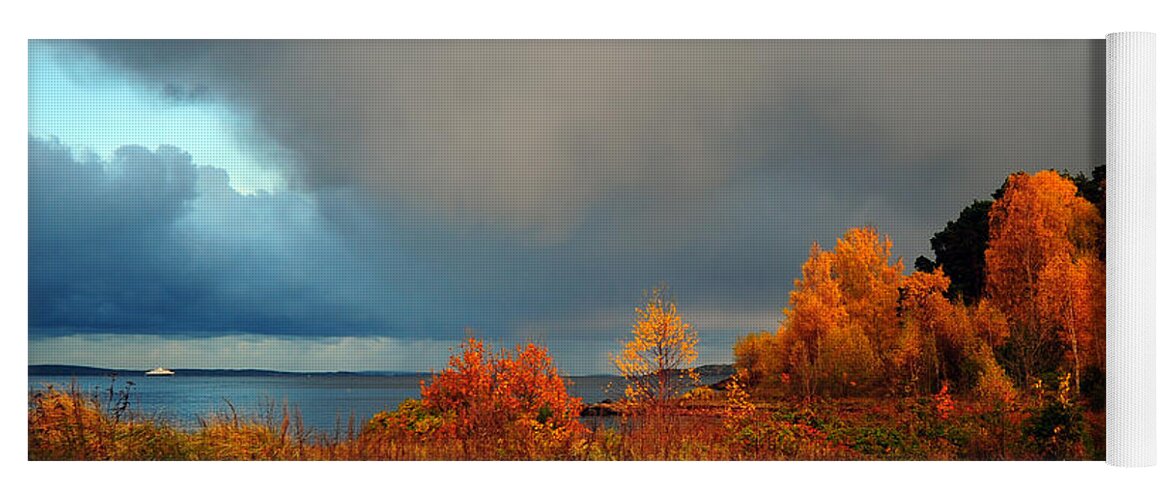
508 404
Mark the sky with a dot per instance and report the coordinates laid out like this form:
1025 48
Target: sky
359 205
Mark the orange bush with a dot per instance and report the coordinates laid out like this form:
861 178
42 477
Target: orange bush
503 405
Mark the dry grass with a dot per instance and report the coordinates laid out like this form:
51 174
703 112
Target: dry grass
69 425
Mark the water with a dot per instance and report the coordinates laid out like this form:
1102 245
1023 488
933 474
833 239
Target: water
325 401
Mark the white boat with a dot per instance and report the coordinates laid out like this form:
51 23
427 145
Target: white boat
159 372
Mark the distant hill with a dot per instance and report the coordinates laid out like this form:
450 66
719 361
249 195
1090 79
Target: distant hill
712 372
89 371
721 371
70 370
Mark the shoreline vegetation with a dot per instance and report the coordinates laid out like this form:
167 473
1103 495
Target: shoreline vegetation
993 350
71 425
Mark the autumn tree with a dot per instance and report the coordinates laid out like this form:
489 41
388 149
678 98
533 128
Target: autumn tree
960 247
841 327
816 306
761 357
958 336
1071 294
511 402
991 325
869 280
1093 188
916 362
854 320
846 361
1038 221
993 298
657 361
928 319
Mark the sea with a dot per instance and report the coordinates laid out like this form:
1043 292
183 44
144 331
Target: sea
327 403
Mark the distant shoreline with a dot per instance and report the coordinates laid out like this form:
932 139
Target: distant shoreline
89 371
717 370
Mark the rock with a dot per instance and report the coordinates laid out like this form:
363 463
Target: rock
603 409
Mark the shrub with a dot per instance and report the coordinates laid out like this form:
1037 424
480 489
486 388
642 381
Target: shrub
498 405
754 434
701 393
1057 429
993 385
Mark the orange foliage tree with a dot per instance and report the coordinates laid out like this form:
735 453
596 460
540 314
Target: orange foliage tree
656 362
845 310
928 317
846 361
855 320
841 327
869 280
511 401
990 323
1039 222
761 358
956 336
1072 297
816 306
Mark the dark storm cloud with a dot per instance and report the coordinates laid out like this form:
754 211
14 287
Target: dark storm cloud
521 182
90 230
151 243
533 133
